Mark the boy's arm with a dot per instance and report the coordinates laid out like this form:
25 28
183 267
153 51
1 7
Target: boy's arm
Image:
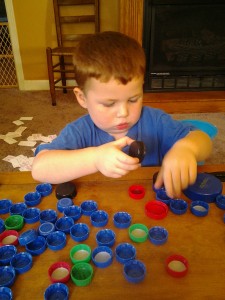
57 166
179 166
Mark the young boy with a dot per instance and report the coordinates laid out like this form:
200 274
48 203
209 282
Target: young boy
109 70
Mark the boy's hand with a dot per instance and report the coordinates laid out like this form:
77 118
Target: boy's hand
112 162
178 171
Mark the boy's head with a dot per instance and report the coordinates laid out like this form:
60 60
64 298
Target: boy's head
108 55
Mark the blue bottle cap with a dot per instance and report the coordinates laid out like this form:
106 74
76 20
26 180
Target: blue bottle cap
73 211
158 235
88 207
63 203
206 188
17 209
46 228
66 190
32 198
5 205
21 262
122 219
99 218
48 215
6 293
134 271
178 206
199 208
7 276
220 201
105 237
125 252
2 225
44 189
79 232
27 237
64 224
56 240
57 291
6 254
162 196
37 247
102 256
31 215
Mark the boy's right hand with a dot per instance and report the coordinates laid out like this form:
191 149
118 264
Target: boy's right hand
111 161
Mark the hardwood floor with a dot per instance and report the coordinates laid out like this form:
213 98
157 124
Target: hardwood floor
187 102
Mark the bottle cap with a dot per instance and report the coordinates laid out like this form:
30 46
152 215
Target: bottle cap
9 237
156 209
102 256
80 253
66 190
46 228
79 232
2 225
220 201
14 222
88 207
44 189
178 206
7 276
63 203
6 293
162 196
134 271
31 215
105 237
73 212
125 252
37 246
199 208
158 235
177 265
206 188
56 240
6 254
21 262
5 205
64 224
138 233
17 209
82 273
27 237
48 215
122 219
56 291
136 192
137 149
59 272
99 218
32 198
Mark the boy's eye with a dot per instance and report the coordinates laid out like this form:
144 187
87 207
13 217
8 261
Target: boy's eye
109 104
133 100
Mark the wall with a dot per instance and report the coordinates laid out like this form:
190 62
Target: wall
36 30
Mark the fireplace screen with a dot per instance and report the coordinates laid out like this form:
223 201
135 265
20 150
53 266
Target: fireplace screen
184 45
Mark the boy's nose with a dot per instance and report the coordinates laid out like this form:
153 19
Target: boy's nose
123 111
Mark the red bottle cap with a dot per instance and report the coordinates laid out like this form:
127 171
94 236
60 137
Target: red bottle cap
136 191
156 209
177 265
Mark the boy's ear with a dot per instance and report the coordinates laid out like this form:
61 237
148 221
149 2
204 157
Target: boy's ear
80 97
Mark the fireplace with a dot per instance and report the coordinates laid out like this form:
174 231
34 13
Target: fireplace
184 43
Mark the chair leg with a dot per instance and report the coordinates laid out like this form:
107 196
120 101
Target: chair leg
63 76
51 75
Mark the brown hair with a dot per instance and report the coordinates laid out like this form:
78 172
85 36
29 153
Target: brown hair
108 55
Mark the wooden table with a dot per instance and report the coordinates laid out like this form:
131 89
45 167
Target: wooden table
200 240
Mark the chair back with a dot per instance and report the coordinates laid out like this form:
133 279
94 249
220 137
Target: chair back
74 18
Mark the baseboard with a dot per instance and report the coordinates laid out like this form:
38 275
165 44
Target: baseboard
39 85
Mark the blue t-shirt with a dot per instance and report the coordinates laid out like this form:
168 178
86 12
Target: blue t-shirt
155 128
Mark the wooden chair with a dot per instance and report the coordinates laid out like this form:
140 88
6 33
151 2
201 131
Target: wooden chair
69 23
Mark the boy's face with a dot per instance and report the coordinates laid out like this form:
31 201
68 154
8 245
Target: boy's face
113 107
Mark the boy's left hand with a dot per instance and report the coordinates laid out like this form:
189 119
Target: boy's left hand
178 171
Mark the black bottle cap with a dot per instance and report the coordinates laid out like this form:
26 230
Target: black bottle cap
66 190
137 149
